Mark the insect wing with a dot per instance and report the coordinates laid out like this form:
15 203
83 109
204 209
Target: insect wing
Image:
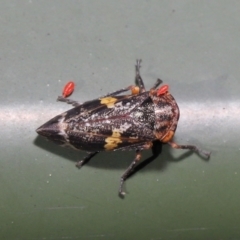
107 124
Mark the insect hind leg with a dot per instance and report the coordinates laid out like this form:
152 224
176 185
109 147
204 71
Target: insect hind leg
157 83
138 78
118 91
75 103
68 101
127 172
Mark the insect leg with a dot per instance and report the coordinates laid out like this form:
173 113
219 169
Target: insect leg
75 103
201 152
118 91
158 82
138 78
68 101
86 159
128 171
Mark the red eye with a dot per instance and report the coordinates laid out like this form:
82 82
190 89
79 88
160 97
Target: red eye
68 89
162 90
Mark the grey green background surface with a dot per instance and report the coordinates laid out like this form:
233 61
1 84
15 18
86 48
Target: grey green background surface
194 46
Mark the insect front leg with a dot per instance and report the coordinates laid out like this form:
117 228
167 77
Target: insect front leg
201 152
86 159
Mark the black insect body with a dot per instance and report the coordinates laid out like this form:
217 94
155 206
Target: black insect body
119 122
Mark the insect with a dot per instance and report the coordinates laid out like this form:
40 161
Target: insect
119 122
68 89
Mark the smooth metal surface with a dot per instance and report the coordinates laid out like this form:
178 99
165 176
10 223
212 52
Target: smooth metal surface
193 46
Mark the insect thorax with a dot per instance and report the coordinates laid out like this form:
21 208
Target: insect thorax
166 116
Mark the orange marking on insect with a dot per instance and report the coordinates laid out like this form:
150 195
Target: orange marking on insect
162 90
135 90
68 89
108 101
168 137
